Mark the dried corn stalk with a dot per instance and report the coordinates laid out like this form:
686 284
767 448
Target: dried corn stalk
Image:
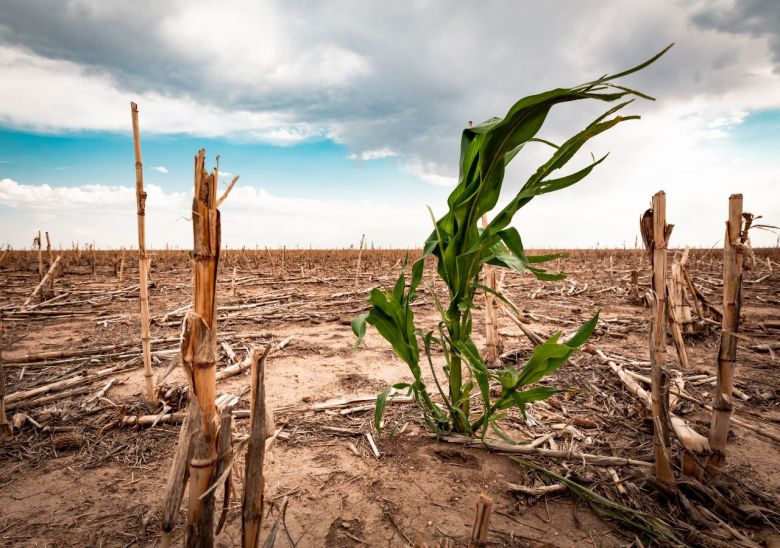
5 428
143 259
655 233
733 246
199 348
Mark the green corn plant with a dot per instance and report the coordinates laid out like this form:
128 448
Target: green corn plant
462 248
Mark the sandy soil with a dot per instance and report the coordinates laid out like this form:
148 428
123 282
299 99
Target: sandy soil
79 479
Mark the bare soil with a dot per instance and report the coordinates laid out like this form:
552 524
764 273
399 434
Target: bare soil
73 476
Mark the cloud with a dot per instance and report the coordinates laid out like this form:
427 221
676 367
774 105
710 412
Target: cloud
758 18
430 173
376 154
49 95
250 216
292 72
286 73
161 169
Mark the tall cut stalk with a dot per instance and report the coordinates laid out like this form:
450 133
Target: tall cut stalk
143 258
733 246
461 250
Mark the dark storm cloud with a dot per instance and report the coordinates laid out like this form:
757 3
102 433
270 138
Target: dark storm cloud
760 18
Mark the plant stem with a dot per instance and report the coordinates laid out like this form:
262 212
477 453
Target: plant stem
456 373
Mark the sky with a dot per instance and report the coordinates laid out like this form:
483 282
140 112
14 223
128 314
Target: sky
343 118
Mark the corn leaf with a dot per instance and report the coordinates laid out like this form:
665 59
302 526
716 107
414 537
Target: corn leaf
461 249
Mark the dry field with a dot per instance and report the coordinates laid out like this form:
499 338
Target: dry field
79 473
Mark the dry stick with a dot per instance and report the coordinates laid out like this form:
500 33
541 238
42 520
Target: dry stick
655 233
38 242
5 429
693 442
491 322
252 507
727 352
48 252
143 260
479 532
360 255
225 458
273 264
177 477
543 489
697 304
98 351
682 395
270 541
687 317
572 456
532 335
676 312
42 282
634 290
199 348
121 267
37 402
700 301
149 420
23 395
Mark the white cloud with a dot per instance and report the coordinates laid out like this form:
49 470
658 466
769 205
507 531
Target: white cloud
430 172
283 60
376 154
53 95
161 169
250 216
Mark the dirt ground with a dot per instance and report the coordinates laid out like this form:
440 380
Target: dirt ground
73 475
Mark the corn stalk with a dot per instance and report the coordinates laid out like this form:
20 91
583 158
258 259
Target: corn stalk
199 351
733 252
143 258
462 249
656 233
5 427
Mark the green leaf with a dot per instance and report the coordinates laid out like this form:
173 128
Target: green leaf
537 393
584 332
534 259
381 401
359 328
546 358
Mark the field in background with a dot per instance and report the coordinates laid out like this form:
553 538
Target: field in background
74 474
